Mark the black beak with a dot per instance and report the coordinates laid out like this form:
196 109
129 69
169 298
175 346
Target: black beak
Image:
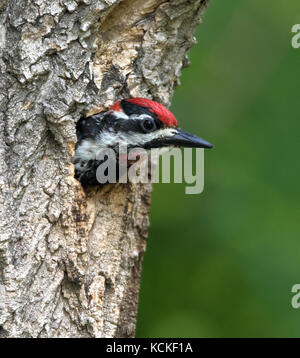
180 139
185 139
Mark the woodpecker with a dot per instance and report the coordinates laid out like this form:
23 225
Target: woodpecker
134 123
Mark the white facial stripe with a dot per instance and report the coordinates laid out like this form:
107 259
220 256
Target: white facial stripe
132 138
148 137
120 115
140 116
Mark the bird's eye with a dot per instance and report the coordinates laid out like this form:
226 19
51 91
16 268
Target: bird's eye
148 125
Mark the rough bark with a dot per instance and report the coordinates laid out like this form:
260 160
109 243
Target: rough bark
70 259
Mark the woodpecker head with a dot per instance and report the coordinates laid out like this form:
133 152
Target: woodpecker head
134 123
148 124
137 122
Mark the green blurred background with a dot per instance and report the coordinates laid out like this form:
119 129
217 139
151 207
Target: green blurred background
222 264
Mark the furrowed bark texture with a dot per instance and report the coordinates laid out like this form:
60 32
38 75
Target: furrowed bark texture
70 259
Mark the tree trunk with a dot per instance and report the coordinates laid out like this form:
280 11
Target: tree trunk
70 259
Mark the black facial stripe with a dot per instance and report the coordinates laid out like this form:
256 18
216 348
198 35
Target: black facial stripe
130 124
132 109
127 125
109 122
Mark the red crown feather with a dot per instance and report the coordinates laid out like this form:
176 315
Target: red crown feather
163 114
